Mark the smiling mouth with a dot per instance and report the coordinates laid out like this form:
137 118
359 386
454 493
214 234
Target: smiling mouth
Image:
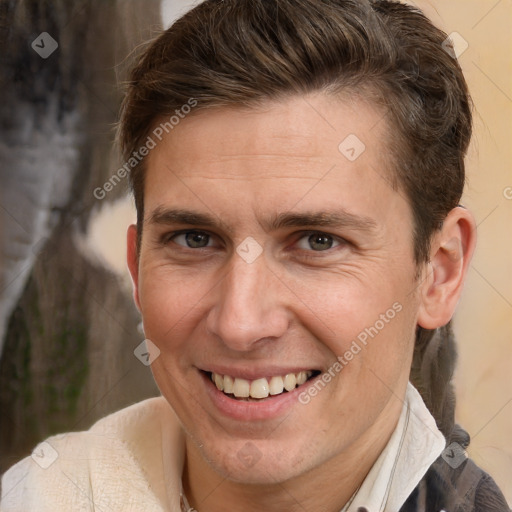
259 389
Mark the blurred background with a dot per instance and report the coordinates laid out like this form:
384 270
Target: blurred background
68 326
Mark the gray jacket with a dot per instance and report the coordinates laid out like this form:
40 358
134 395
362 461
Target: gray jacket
465 489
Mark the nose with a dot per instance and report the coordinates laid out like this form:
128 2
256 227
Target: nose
248 306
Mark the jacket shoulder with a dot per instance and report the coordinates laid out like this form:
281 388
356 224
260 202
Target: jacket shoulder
466 488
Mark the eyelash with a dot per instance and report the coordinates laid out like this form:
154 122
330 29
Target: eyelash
308 253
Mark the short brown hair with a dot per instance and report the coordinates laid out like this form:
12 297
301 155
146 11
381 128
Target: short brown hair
247 52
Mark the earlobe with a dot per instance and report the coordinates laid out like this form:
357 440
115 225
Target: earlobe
450 256
133 261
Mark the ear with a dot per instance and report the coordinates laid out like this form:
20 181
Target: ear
133 261
450 255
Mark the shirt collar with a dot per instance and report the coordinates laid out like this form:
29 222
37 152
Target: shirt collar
412 448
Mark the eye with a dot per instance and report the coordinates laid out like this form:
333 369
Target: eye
192 239
317 242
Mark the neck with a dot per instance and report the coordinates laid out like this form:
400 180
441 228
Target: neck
327 487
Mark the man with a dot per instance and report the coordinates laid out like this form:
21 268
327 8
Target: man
298 255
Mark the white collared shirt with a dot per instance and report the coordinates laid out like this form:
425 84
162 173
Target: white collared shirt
412 448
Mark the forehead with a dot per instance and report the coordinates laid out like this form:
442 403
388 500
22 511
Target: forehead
309 149
296 126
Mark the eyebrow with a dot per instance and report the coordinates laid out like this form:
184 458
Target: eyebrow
161 215
336 219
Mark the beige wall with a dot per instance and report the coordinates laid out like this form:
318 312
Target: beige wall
484 319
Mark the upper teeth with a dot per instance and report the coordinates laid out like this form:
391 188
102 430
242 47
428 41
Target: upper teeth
259 388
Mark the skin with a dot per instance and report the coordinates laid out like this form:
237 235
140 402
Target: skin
293 306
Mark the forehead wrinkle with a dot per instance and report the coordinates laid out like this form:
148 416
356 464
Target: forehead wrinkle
254 167
249 178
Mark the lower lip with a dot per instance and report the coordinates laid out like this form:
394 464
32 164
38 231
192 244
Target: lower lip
272 407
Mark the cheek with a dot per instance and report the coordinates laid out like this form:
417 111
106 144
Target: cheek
171 303
367 326
341 308
378 358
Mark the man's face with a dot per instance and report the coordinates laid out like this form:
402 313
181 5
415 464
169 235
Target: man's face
268 251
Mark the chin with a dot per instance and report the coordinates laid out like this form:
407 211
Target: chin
262 473
255 462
